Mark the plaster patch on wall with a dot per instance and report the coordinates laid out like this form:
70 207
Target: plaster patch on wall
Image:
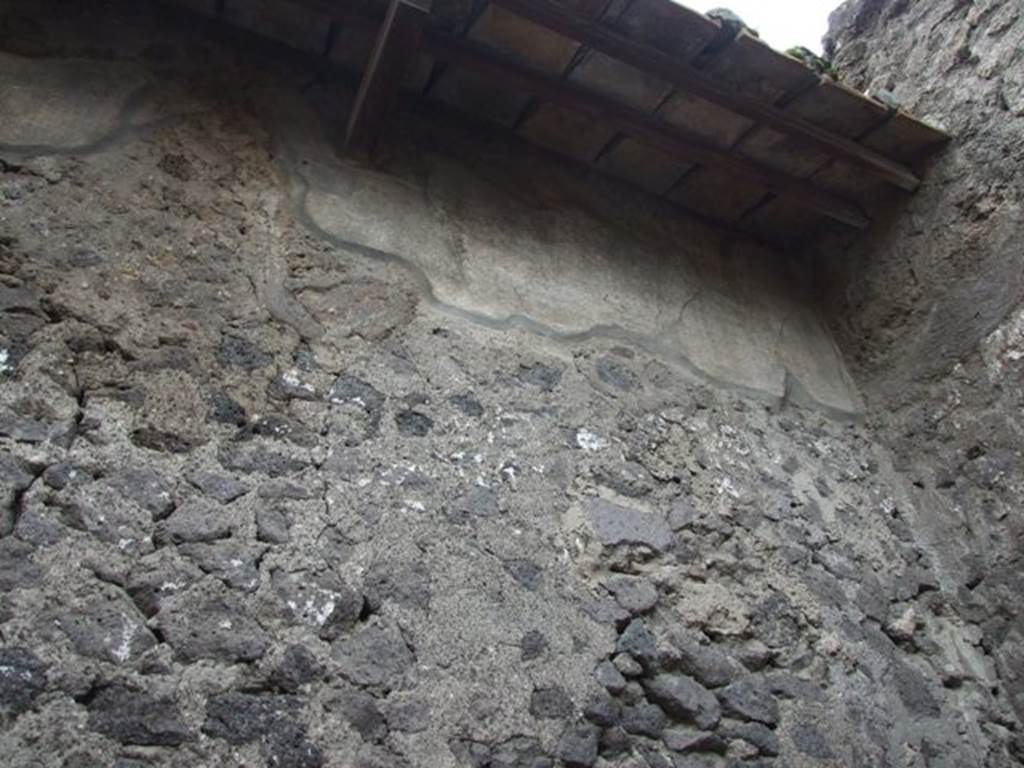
548 266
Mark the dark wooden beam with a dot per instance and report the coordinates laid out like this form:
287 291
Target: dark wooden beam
681 74
591 9
370 18
640 125
394 52
447 48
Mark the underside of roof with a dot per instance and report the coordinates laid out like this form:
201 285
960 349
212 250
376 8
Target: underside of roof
686 107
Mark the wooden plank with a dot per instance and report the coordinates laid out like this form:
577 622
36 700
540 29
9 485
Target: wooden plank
718 194
641 126
619 81
395 51
757 71
591 9
781 152
838 108
685 77
906 137
852 183
639 164
566 131
666 26
523 40
714 124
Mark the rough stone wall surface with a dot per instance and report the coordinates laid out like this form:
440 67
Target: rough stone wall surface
273 496
942 270
930 311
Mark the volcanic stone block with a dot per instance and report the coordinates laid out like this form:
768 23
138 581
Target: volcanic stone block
216 629
615 525
634 594
748 699
376 655
639 642
578 746
684 699
643 719
197 520
110 630
683 739
22 679
137 717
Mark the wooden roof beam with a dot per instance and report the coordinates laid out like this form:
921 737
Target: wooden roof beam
635 123
684 76
395 51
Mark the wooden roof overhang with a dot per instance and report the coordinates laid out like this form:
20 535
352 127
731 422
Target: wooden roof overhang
648 91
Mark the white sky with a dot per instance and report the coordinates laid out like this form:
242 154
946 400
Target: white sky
781 23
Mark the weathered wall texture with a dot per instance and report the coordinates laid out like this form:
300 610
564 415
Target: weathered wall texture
931 318
942 270
549 253
304 465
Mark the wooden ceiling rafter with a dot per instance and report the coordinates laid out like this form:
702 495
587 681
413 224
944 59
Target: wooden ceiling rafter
706 74
444 46
678 72
637 124
394 53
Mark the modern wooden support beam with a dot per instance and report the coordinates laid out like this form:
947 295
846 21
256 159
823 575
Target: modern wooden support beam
640 125
394 52
685 77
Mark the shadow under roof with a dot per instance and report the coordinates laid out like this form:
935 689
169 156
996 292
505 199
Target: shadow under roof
665 98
